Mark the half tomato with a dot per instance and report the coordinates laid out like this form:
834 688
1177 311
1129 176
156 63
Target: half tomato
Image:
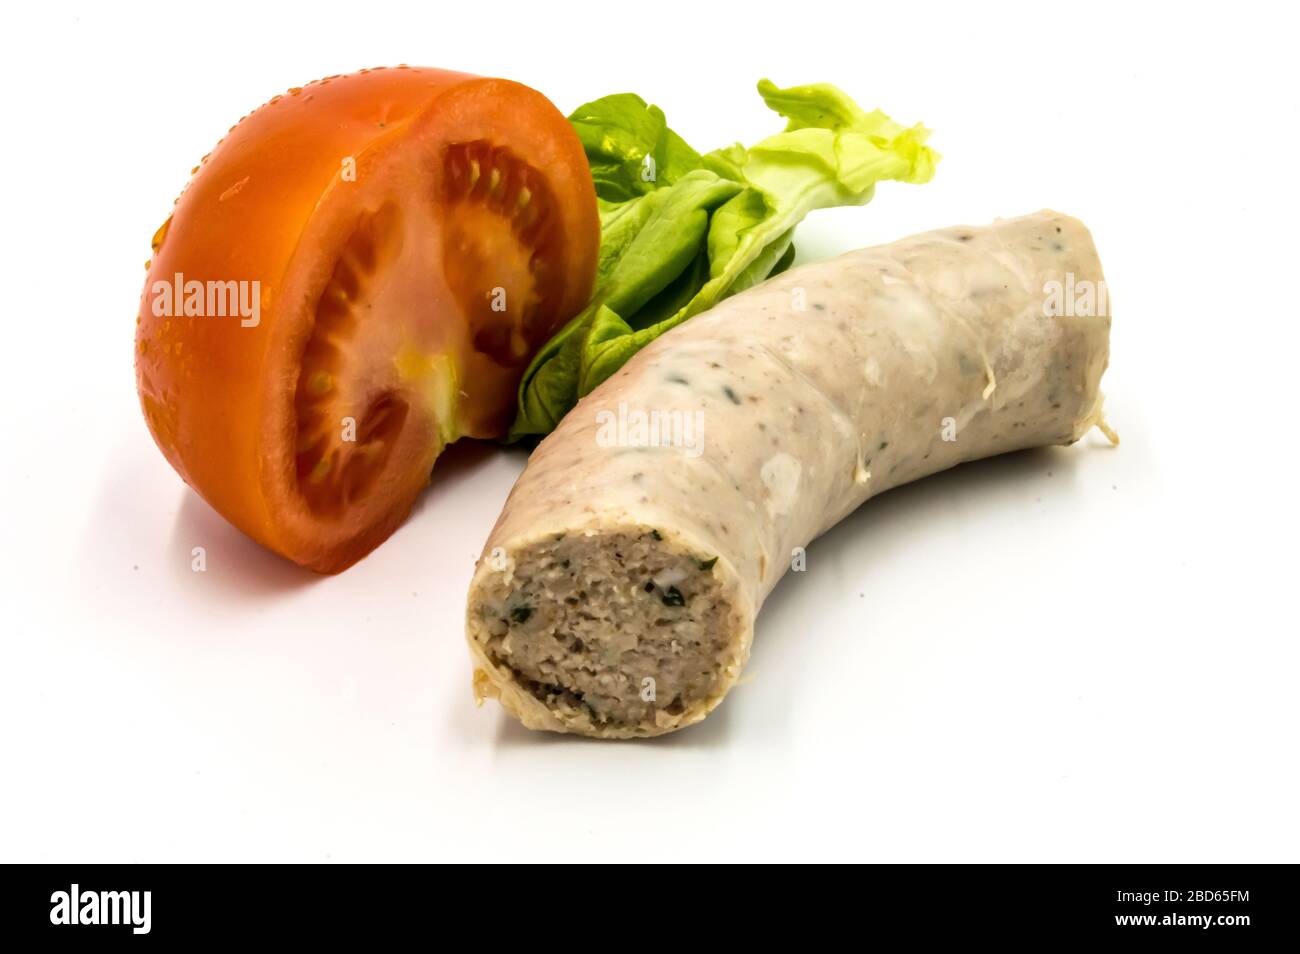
355 277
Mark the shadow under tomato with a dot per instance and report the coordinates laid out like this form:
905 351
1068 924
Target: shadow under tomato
233 565
457 464
244 569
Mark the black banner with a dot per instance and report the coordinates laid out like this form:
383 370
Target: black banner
150 904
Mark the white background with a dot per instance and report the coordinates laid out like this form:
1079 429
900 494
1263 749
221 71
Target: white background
1080 654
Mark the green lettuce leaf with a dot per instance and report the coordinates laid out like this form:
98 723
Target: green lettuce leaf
629 147
681 231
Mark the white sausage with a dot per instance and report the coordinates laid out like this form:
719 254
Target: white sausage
597 606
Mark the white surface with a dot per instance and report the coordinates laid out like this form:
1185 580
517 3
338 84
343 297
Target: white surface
1075 654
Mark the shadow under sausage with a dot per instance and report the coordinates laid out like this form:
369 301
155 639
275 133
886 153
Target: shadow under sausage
898 522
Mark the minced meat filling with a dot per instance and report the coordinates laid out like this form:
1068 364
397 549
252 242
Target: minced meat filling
613 628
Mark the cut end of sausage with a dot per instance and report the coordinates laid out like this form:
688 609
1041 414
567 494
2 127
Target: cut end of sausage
614 634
